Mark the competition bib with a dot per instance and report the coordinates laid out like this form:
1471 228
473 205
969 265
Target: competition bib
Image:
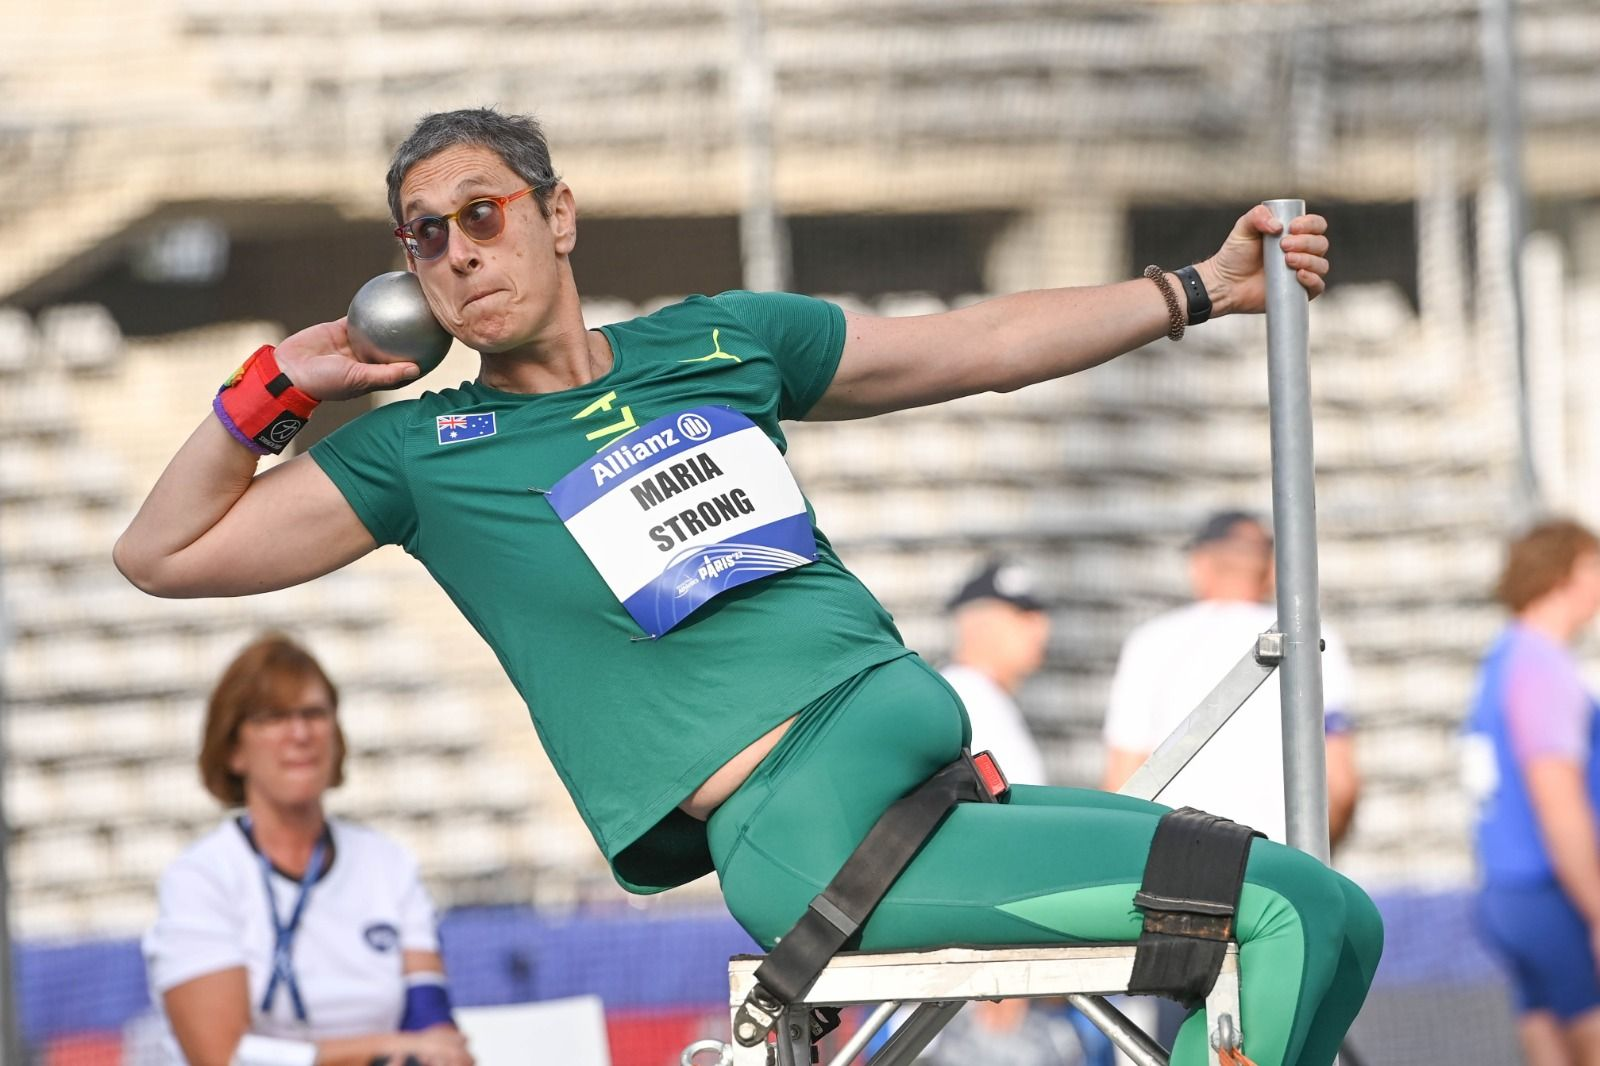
683 508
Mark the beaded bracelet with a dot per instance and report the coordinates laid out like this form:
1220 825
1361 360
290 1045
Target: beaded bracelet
1175 316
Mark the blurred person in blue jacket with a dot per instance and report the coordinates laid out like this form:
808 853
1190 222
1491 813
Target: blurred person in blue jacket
1533 759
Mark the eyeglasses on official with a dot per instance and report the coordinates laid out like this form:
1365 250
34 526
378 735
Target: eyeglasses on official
279 717
427 236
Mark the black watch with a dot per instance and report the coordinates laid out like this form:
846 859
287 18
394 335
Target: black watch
1195 290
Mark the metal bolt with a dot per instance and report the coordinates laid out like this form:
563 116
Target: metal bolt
1269 648
1224 1035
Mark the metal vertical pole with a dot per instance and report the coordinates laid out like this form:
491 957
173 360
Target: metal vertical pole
1503 89
1294 519
763 237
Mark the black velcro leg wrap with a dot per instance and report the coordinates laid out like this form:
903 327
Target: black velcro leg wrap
1189 895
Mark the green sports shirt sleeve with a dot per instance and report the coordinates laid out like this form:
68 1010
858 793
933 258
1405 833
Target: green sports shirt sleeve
806 333
365 459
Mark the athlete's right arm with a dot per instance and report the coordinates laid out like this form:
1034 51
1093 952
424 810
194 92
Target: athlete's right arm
212 527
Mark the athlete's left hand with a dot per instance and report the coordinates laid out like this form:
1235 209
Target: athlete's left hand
1234 277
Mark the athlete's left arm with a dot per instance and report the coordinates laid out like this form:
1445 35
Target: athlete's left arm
1003 344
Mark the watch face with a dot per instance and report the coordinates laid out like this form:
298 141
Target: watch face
1195 290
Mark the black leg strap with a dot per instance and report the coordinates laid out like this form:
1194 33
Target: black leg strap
1189 896
837 914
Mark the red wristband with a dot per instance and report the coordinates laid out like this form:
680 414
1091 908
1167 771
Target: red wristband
260 406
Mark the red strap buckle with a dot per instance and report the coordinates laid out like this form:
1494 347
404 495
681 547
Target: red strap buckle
993 778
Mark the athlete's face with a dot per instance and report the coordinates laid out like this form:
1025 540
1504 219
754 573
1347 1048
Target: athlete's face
499 293
286 754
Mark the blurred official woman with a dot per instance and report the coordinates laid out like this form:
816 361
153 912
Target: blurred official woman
286 937
1534 757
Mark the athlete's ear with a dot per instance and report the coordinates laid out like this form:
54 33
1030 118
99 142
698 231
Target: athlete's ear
562 214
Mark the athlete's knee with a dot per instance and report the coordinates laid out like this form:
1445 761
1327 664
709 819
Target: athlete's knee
1292 889
1363 923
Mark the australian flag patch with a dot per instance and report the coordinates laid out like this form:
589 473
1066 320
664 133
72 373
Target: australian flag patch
453 429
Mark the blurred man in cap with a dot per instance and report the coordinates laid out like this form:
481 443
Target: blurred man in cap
1171 662
1001 631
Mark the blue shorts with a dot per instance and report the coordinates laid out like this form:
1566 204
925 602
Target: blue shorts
1545 945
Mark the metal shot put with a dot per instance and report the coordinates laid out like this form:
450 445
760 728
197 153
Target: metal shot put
390 321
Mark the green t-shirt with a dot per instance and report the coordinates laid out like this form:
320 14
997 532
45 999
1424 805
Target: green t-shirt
632 725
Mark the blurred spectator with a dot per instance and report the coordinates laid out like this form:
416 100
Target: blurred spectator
1171 662
1532 755
286 937
1001 632
1005 1033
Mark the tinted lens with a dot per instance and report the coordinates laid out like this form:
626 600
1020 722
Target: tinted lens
481 220
430 235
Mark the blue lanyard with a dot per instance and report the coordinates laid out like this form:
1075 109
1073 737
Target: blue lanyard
283 934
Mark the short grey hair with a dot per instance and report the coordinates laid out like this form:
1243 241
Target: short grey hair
517 139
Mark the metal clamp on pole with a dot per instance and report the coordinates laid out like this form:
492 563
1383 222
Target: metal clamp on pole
1269 648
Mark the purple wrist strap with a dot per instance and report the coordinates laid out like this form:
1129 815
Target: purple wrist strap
228 424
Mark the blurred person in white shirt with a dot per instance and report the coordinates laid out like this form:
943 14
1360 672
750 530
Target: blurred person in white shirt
1171 662
1001 632
286 937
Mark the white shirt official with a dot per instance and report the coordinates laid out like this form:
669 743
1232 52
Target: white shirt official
1170 663
367 908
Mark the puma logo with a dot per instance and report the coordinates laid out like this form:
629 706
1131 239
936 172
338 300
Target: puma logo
716 353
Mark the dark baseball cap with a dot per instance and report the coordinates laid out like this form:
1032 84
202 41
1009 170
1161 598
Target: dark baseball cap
1220 526
1001 580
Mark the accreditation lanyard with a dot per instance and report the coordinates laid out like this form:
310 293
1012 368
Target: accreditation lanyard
283 932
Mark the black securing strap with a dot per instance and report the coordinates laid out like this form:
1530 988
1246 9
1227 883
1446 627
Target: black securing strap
1190 893
835 916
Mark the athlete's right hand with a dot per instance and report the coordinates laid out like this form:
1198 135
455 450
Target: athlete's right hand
321 364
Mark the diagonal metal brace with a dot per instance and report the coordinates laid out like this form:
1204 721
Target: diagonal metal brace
1212 713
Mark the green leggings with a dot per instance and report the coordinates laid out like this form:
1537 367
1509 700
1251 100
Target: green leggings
1053 865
